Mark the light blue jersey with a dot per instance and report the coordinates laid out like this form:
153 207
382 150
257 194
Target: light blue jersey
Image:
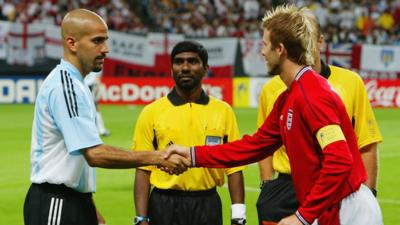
63 124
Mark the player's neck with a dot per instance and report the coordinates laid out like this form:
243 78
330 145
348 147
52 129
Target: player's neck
75 62
289 71
318 66
189 95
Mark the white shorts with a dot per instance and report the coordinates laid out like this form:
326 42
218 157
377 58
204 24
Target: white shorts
361 207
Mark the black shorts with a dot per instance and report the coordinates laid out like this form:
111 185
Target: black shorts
277 199
50 204
172 207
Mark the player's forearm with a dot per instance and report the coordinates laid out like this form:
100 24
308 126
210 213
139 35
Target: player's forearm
141 192
236 187
248 150
111 157
369 156
99 216
266 169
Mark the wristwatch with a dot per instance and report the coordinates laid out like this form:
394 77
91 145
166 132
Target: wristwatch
139 219
238 221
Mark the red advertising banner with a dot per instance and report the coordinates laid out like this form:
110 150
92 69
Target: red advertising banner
383 93
140 91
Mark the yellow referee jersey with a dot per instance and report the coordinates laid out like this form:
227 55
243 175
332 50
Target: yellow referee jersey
171 120
350 88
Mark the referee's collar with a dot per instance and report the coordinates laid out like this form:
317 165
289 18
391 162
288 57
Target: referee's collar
177 100
325 70
71 69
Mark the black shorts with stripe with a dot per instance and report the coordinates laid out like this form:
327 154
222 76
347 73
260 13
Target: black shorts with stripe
174 207
277 199
50 204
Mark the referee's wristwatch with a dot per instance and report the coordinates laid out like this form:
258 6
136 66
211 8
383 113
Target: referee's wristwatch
238 221
139 219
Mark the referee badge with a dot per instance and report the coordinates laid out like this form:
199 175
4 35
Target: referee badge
289 119
213 140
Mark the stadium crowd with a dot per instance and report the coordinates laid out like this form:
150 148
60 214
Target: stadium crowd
343 21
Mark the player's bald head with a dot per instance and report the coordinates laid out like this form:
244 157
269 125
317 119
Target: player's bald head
78 22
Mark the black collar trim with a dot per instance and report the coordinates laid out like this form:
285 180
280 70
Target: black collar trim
176 100
325 70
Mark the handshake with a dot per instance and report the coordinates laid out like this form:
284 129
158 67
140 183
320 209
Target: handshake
174 160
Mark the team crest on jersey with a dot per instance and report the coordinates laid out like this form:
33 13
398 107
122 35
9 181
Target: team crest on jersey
289 119
213 140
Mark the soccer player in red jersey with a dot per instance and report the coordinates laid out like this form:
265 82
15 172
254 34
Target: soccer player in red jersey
310 120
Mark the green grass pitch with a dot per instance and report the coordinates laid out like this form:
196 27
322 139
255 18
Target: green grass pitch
114 196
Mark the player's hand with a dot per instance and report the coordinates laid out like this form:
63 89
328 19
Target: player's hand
176 149
100 218
290 220
174 164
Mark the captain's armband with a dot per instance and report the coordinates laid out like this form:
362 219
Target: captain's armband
329 134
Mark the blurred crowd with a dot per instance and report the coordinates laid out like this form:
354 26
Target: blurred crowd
343 21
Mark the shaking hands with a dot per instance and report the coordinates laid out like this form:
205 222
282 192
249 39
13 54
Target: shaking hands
176 159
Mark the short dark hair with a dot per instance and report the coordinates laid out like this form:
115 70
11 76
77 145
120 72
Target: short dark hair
190 46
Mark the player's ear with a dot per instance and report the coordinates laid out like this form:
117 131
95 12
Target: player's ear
71 43
320 41
280 48
205 67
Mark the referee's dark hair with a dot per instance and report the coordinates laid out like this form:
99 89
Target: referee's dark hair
190 46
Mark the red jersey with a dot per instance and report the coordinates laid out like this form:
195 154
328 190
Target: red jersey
322 177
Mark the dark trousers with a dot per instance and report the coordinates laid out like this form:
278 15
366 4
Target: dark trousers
172 207
277 200
50 204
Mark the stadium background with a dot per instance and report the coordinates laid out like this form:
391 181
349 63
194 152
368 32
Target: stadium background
361 35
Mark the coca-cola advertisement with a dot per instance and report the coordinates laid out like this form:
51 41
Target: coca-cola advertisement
383 93
140 91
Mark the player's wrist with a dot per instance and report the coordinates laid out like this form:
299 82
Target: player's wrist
192 155
238 214
140 220
263 182
301 218
374 191
158 158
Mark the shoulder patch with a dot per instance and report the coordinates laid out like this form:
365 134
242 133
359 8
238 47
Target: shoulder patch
213 140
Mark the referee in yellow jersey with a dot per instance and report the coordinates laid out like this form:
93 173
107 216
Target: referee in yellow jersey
278 198
186 116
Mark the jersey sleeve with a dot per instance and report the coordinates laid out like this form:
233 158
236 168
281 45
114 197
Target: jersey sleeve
232 131
320 114
247 150
365 125
74 116
144 135
262 107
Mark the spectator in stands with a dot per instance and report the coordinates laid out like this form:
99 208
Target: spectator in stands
216 18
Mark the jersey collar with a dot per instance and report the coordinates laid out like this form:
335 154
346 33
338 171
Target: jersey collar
301 72
176 100
325 70
73 71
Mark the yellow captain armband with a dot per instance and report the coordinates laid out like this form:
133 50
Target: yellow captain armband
329 134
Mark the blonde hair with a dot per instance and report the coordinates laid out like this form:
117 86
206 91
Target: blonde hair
295 29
